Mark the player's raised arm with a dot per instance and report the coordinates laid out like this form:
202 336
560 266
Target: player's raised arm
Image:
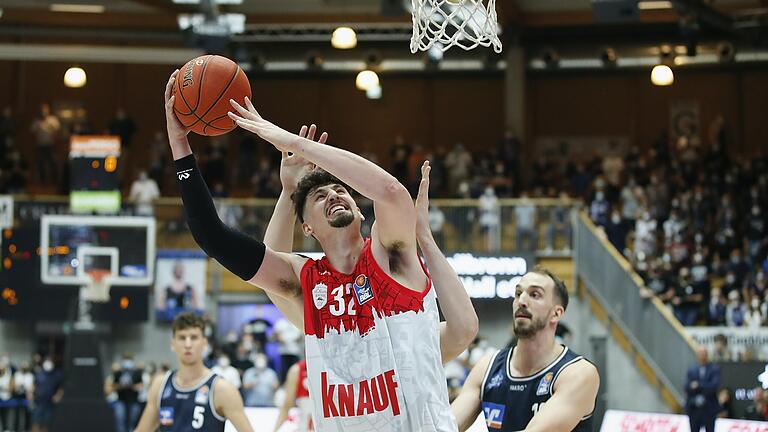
395 214
279 233
461 325
466 406
573 399
241 254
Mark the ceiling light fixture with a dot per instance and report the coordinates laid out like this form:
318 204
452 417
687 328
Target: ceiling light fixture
77 8
654 5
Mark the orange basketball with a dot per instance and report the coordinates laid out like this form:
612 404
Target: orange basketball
203 89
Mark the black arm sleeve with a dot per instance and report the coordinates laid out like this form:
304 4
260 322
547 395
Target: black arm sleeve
236 251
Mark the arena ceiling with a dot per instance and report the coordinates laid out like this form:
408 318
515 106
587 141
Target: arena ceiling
537 23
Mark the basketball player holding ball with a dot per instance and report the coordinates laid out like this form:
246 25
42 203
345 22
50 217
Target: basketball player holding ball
191 398
373 338
538 385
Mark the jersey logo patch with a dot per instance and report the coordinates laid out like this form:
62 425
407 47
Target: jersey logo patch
544 384
166 416
320 295
495 381
494 415
201 396
363 290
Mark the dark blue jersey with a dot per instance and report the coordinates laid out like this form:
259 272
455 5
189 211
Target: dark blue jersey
189 409
509 403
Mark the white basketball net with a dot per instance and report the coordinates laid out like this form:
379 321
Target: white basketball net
445 23
97 289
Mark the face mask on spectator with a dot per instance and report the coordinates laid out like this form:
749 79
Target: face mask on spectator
615 218
231 337
223 362
47 365
599 196
730 279
260 363
127 364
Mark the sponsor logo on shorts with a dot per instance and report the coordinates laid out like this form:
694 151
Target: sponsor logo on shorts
201 396
320 295
544 384
166 416
494 415
363 290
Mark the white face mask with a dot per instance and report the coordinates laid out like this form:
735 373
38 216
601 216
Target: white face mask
224 362
47 365
260 363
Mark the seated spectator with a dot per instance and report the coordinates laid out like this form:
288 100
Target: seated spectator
725 399
753 318
260 384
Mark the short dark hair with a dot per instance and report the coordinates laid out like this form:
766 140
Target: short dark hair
187 320
311 181
561 291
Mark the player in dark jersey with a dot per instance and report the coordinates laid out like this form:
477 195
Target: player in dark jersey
538 385
191 398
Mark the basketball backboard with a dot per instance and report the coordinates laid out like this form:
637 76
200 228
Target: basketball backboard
72 246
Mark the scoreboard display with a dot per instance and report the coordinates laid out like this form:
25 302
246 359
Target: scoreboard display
93 161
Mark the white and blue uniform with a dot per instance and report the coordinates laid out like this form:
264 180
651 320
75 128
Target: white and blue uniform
189 409
509 403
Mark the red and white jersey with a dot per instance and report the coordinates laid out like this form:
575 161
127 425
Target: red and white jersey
303 402
372 351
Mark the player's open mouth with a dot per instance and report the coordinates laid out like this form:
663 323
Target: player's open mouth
336 209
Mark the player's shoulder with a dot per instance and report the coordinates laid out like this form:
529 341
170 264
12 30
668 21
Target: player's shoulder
224 390
579 372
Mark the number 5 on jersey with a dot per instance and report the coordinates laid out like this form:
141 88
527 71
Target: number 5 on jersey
198 417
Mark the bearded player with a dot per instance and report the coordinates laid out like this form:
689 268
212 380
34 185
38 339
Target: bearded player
368 308
191 398
538 385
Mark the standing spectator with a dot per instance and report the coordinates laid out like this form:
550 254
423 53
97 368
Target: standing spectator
259 326
260 384
559 223
458 164
6 393
734 312
645 235
128 383
616 231
599 209
631 195
756 233
144 192
701 385
436 221
48 392
720 352
124 127
716 309
687 300
225 369
490 219
399 153
525 224
46 127
7 132
24 382
14 173
288 339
